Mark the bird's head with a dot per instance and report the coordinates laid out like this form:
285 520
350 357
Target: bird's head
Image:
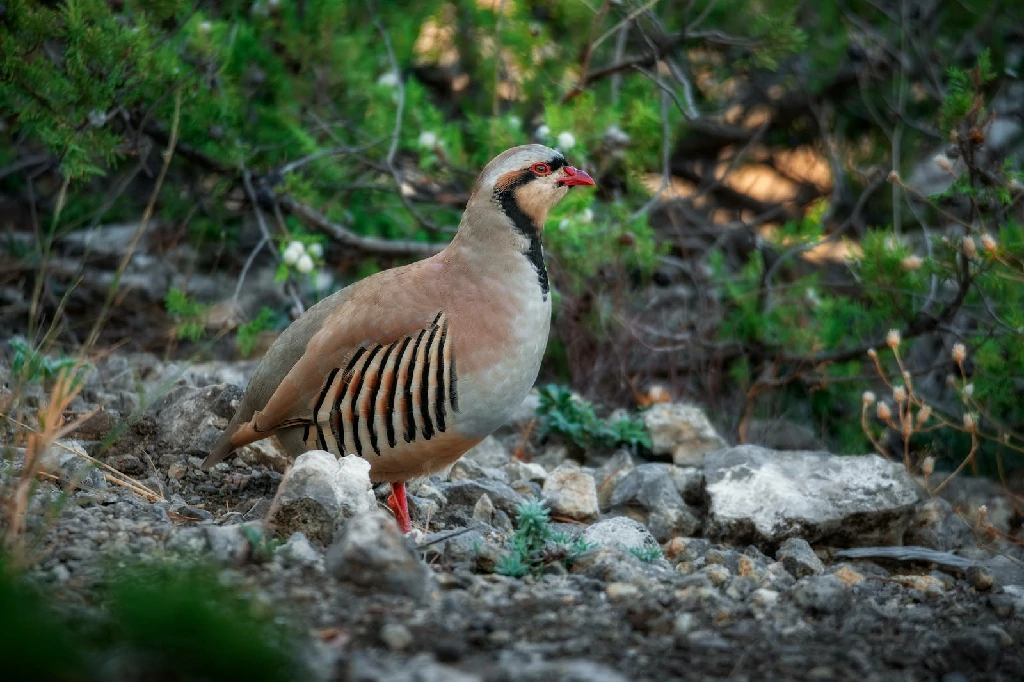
528 181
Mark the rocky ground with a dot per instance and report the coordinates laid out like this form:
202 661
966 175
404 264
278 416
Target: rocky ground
705 562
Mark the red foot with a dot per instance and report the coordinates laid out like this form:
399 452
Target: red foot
400 506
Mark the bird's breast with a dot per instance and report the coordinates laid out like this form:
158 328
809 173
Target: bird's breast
498 353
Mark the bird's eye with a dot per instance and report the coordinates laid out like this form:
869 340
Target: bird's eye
541 169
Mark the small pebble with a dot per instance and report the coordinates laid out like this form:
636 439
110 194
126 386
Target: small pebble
396 636
621 591
980 578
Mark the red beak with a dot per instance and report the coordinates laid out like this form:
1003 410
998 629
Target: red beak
574 176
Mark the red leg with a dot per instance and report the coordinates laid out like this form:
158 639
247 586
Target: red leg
400 506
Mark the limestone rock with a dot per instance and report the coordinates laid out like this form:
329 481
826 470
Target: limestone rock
763 496
570 491
650 493
370 551
620 531
320 491
683 432
190 420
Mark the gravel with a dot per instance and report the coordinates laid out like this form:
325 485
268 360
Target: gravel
725 600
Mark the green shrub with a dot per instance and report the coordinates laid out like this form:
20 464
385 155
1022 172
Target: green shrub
564 413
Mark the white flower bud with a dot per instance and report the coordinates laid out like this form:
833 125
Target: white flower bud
204 27
912 263
316 250
388 79
515 122
97 118
988 242
868 398
928 465
969 247
294 251
894 177
586 216
959 352
304 264
428 140
899 394
943 162
969 421
566 140
1016 185
923 415
872 353
883 412
542 132
892 339
969 390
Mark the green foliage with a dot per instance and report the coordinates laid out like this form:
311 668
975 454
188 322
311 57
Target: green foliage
249 332
567 415
535 546
161 621
34 643
31 365
646 554
778 37
963 91
187 313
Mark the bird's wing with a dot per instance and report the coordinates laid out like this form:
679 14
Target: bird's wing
381 309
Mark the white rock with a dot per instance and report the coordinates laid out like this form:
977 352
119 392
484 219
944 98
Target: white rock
266 453
571 492
396 636
67 460
298 551
483 510
320 491
682 431
518 470
766 496
619 531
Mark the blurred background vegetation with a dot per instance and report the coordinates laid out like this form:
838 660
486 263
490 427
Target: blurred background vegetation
780 184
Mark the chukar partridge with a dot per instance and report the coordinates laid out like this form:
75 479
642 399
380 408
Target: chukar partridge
413 366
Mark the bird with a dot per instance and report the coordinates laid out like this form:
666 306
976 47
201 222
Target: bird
411 367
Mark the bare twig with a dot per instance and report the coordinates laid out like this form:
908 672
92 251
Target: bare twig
345 236
397 131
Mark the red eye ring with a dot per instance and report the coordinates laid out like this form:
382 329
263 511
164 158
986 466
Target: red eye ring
541 169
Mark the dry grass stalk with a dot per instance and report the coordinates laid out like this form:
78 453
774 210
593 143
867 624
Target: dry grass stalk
51 429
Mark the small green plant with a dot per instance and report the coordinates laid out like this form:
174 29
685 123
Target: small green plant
646 554
574 418
262 545
964 95
534 545
32 365
140 633
187 314
249 332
